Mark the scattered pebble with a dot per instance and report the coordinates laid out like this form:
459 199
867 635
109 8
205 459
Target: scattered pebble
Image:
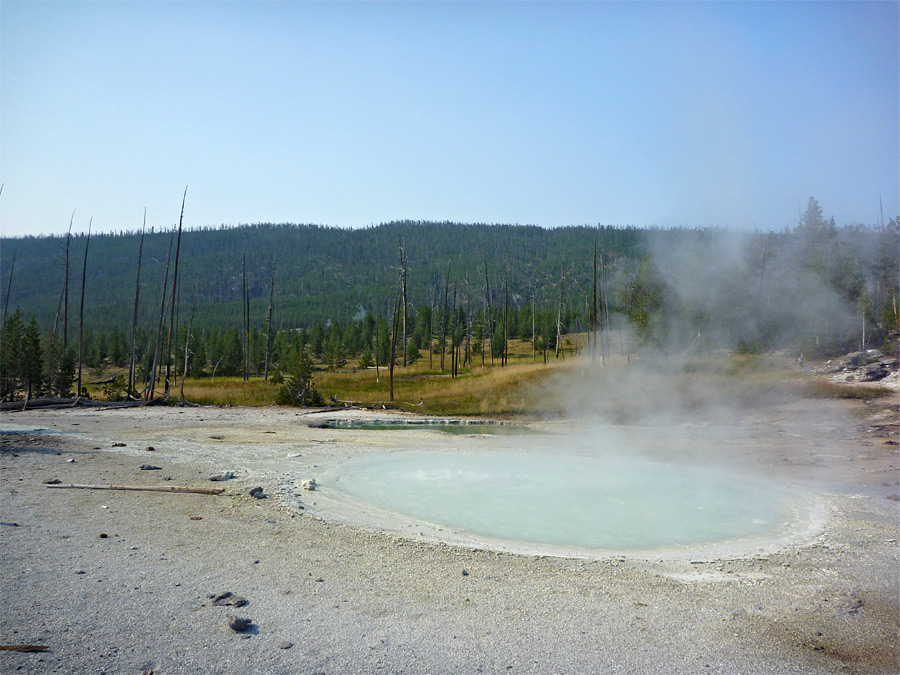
149 467
309 484
71 461
52 481
238 623
118 445
894 497
284 644
103 535
465 573
150 448
228 475
257 492
228 599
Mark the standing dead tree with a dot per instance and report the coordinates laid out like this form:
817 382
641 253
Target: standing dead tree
12 268
137 293
445 316
505 358
454 361
187 350
87 243
394 329
559 305
245 341
269 322
403 293
150 389
66 286
174 289
489 316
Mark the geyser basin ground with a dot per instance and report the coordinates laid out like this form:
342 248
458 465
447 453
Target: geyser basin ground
606 503
354 599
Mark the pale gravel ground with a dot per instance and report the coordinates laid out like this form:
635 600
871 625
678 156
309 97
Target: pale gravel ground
354 600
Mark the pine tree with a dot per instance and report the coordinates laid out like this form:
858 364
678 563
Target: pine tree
32 364
11 355
300 389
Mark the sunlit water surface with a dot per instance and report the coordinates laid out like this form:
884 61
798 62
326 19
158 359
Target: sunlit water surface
567 500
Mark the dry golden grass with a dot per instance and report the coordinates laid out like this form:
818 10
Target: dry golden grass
822 387
229 391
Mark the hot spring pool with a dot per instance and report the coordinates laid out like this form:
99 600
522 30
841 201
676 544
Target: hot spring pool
621 503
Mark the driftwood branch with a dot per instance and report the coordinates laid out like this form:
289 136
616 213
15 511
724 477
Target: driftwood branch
143 488
23 648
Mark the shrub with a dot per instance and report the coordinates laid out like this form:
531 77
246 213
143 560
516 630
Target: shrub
299 388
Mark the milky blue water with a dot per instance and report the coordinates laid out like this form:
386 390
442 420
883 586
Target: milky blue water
566 500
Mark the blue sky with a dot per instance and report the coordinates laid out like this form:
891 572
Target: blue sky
352 114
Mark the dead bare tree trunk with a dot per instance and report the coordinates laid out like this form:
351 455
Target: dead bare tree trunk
505 359
245 338
594 308
489 324
604 284
431 331
162 312
394 327
468 357
444 318
269 322
187 351
562 279
533 333
12 268
403 284
453 359
66 287
137 293
377 375
174 288
87 244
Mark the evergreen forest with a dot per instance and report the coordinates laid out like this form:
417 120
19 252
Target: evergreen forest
255 299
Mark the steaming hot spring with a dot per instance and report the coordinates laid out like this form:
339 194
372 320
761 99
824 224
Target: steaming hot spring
599 491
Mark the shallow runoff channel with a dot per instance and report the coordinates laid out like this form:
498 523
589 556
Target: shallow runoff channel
584 495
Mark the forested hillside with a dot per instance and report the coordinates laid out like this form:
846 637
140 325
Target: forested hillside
814 287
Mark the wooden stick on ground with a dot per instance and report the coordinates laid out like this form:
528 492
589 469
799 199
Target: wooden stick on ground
23 648
148 488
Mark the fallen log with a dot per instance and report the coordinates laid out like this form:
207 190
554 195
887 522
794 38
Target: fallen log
143 488
23 648
60 403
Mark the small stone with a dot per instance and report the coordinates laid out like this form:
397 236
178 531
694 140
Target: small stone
118 445
103 535
149 467
284 644
894 497
52 481
309 484
80 572
257 492
228 599
228 475
465 573
238 623
71 461
150 448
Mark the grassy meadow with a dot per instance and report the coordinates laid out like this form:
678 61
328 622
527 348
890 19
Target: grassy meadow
526 385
